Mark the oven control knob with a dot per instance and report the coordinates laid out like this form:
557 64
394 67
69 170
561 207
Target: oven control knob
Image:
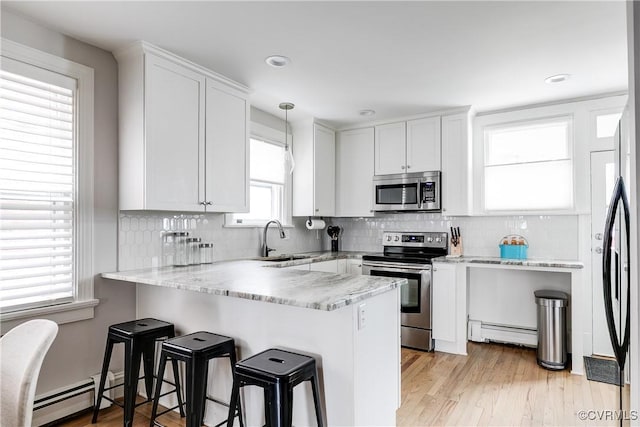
429 239
396 239
438 239
388 238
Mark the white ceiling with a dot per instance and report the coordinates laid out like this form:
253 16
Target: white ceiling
394 57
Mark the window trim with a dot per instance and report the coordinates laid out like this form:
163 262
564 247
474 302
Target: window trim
273 136
570 119
82 306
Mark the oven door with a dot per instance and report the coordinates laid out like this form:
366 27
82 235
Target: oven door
415 297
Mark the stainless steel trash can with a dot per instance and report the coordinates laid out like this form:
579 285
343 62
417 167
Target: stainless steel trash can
552 328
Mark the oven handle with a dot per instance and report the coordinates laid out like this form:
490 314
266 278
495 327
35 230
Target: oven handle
401 268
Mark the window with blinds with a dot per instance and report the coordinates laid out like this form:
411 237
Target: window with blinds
37 187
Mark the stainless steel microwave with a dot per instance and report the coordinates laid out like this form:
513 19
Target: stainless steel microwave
418 191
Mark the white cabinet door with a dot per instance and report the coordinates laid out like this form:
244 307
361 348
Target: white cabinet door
354 173
390 149
227 149
456 165
324 171
354 266
326 266
444 302
174 132
423 145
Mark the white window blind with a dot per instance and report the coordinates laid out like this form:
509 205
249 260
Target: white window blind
529 166
37 187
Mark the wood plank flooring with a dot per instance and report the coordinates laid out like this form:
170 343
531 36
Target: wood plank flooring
496 385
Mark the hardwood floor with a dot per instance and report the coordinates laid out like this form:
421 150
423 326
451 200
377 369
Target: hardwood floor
496 385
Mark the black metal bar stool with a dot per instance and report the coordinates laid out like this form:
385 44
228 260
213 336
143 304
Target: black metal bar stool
139 338
196 350
277 372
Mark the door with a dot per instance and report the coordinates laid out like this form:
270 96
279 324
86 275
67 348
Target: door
423 145
174 114
354 173
324 178
602 181
391 150
226 150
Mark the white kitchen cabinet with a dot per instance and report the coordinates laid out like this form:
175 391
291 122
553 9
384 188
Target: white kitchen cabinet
456 165
405 147
354 172
227 149
444 302
330 266
354 266
177 120
390 148
423 145
314 151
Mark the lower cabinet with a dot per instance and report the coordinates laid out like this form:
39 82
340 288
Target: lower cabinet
326 266
354 266
444 302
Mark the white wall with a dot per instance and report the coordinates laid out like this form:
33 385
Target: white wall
77 351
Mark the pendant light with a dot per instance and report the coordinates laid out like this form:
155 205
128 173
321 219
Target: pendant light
289 163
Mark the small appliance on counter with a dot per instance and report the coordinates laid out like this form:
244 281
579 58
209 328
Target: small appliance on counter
334 233
513 246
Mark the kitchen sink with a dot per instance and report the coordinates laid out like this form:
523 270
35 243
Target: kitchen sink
281 258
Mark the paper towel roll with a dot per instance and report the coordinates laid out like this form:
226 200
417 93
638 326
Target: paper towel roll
315 224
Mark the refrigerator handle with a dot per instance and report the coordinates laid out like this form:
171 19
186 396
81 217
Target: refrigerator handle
616 263
620 344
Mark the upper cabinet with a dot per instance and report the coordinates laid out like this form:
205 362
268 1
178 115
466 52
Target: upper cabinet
314 151
411 146
354 172
183 135
456 164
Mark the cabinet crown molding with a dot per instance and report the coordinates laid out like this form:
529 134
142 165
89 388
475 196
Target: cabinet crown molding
141 47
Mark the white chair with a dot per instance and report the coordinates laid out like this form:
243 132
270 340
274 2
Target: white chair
22 351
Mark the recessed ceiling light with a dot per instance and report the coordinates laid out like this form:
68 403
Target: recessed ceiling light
277 61
557 78
367 113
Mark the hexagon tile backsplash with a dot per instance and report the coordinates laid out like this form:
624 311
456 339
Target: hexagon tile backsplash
139 244
140 234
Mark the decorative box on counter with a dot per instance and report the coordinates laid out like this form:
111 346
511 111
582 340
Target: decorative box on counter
513 246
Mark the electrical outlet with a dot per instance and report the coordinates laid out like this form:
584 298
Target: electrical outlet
362 317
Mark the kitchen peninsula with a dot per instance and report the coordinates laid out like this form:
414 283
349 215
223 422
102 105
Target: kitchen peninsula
351 324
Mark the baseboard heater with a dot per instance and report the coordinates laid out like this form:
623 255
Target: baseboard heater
46 400
490 332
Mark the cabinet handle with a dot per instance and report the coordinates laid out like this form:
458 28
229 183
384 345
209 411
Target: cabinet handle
317 210
401 167
408 166
202 203
435 269
209 203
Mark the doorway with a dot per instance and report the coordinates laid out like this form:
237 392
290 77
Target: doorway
602 181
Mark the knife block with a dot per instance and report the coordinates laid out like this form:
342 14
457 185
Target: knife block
455 251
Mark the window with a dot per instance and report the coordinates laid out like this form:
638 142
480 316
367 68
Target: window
268 187
528 166
46 185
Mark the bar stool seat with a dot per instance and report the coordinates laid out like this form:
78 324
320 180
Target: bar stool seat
196 350
139 338
277 372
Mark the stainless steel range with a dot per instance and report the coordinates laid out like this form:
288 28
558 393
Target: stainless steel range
409 255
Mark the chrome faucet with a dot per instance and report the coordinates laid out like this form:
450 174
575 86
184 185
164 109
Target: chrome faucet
266 249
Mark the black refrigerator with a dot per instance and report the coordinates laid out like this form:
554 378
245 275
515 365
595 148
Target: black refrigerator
616 268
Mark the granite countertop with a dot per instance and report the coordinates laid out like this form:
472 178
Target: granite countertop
549 263
250 280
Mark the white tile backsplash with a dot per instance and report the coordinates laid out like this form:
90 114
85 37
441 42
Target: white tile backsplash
548 236
140 237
